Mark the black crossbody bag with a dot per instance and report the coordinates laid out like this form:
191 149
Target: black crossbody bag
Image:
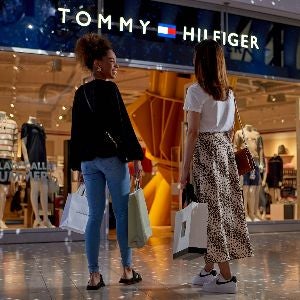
126 150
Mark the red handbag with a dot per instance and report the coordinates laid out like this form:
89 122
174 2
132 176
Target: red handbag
244 161
243 157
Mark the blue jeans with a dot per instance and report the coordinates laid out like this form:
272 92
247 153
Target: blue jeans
95 174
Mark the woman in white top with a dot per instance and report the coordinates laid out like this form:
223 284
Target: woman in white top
210 115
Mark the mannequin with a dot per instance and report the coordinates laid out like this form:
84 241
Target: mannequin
275 177
34 154
8 154
251 181
262 191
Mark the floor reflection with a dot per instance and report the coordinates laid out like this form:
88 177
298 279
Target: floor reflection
59 271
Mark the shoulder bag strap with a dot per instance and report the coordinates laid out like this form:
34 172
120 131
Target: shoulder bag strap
240 123
87 101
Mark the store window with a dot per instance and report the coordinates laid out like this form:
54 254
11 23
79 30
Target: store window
269 121
35 116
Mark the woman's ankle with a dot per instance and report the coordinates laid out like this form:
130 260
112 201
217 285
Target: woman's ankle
226 276
208 268
94 278
127 272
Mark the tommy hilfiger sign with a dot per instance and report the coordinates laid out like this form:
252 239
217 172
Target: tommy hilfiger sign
83 18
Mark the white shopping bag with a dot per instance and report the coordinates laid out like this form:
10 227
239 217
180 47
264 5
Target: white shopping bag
190 234
76 211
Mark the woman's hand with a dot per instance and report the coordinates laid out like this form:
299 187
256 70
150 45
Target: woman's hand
138 169
183 180
80 177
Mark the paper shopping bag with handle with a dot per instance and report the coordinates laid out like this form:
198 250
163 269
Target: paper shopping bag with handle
190 234
139 229
76 211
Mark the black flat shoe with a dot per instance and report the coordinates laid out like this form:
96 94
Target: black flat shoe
99 285
136 277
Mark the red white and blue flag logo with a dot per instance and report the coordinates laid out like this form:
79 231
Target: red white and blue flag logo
166 30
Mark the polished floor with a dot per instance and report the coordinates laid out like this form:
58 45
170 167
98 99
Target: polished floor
59 271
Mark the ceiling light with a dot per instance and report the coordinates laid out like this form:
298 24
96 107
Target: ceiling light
14 55
13 87
64 108
11 115
12 105
60 117
30 26
282 121
57 125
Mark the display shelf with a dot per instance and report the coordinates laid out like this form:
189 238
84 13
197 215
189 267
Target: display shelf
281 155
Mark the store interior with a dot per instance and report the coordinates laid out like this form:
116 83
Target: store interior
43 87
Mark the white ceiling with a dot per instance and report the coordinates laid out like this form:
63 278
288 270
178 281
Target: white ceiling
44 84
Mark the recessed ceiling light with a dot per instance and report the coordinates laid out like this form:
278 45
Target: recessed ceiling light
64 108
12 105
60 117
11 115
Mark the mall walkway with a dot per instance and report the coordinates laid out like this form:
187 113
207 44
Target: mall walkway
59 271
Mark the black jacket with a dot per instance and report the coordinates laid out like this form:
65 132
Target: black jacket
107 113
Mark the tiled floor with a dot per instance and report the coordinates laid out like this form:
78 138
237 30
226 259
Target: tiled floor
59 271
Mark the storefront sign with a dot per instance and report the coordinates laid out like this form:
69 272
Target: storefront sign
151 34
84 19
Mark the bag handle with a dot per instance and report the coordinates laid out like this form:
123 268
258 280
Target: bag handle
137 184
81 189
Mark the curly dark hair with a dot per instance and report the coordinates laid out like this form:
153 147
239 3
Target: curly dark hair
89 47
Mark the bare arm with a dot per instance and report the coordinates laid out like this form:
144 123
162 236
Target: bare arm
193 120
24 152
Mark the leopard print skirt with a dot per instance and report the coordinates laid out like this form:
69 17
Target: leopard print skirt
216 183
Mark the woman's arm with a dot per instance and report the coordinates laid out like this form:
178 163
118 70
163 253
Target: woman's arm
193 120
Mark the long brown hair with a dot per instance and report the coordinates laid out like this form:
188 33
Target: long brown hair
210 69
89 47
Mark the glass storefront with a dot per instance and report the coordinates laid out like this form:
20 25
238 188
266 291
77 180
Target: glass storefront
38 78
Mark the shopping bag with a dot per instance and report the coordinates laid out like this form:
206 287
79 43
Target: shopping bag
139 229
190 234
76 211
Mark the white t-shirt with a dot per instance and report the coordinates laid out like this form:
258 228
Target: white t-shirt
216 116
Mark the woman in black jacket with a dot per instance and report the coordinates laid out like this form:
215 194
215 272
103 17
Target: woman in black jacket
102 141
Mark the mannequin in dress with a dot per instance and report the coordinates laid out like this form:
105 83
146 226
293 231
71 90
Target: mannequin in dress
34 154
262 191
251 181
8 154
275 177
